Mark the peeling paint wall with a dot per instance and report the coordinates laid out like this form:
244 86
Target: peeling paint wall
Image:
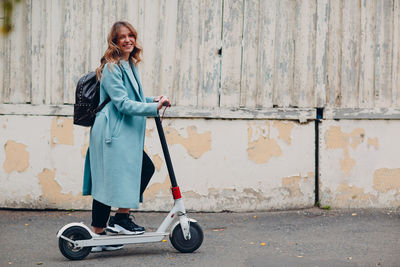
225 175
213 161
236 165
17 158
266 64
359 163
42 162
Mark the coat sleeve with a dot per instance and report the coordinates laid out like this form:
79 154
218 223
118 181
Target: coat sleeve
112 83
149 99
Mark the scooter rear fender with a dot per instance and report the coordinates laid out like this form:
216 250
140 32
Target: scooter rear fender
81 224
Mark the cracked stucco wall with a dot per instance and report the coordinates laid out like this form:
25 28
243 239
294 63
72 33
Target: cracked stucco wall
41 162
236 165
359 163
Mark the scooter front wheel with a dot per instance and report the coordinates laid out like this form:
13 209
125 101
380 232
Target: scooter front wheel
68 249
190 245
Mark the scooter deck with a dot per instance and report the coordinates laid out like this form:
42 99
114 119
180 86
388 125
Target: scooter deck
121 239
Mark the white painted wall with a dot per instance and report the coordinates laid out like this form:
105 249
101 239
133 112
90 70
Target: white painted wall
359 163
237 165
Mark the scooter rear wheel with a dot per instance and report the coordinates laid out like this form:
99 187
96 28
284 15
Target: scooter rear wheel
68 249
183 245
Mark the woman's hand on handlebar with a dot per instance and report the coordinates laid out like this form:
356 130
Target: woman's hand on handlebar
162 101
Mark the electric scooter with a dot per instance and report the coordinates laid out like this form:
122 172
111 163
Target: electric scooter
75 240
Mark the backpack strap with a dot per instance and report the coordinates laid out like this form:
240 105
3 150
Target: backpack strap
102 105
108 99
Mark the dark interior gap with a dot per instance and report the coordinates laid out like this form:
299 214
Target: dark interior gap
320 114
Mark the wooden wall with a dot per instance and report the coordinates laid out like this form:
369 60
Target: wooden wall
256 54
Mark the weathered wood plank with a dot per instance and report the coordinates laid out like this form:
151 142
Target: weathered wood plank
88 34
47 51
141 18
132 13
284 53
266 62
97 41
188 52
110 14
15 81
74 52
169 13
38 52
396 55
36 110
2 62
54 77
334 57
109 17
297 114
210 43
106 21
354 57
304 54
121 10
152 47
178 46
249 82
28 51
135 16
321 52
231 53
362 113
367 53
350 53
383 65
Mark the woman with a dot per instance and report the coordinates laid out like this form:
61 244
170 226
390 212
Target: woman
116 168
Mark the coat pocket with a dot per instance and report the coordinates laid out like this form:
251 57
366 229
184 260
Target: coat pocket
107 135
117 127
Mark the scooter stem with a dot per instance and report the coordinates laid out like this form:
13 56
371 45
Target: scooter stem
166 152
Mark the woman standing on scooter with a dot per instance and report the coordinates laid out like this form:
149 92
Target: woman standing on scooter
117 170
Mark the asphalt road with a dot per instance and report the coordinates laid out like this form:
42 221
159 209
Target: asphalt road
312 237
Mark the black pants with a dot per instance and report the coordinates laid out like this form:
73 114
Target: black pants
101 212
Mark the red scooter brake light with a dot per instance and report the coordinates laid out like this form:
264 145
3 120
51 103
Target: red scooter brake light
176 193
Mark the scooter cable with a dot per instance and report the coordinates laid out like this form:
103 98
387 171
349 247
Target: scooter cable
162 117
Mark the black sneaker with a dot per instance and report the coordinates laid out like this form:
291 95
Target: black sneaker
124 225
106 247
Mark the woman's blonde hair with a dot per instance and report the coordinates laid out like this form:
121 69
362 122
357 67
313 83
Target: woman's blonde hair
113 53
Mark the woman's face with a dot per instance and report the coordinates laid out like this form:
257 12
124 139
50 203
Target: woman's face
126 41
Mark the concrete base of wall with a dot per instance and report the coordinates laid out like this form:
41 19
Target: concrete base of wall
236 165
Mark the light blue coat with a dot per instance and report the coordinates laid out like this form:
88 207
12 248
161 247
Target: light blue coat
113 162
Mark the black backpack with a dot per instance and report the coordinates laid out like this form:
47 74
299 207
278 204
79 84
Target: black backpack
87 97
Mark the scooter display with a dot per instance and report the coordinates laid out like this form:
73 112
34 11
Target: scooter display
75 240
